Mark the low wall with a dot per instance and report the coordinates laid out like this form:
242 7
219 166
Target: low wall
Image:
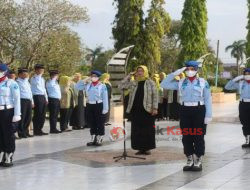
223 97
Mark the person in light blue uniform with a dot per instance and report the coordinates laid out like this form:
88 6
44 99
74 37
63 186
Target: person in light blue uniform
195 112
242 84
54 94
26 103
10 114
97 106
40 100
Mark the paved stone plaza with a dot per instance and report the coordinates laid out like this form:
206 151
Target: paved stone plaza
64 162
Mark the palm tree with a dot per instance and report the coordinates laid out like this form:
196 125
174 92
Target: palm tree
94 53
237 51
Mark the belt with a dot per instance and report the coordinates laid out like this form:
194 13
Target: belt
245 100
4 107
95 102
192 104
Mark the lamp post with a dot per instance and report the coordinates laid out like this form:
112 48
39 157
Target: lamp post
217 64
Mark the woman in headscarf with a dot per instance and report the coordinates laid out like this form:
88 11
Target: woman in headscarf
77 120
143 106
66 103
105 80
156 79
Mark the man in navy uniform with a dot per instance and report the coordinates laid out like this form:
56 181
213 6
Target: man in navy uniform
10 114
195 113
54 94
26 103
242 84
97 106
40 100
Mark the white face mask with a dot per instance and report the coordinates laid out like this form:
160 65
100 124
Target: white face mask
247 77
94 79
55 78
2 74
191 73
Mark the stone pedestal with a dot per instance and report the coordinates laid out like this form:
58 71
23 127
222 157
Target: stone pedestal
223 97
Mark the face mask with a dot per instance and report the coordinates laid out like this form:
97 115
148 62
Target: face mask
191 73
94 79
2 74
247 77
55 78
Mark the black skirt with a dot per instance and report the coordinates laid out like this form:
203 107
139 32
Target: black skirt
78 115
142 123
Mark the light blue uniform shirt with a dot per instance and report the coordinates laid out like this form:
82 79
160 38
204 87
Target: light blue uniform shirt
10 95
190 91
38 86
25 89
53 89
244 91
95 93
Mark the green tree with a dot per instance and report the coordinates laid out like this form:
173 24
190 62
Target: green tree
94 53
60 50
157 24
27 25
193 31
170 48
237 51
128 28
102 59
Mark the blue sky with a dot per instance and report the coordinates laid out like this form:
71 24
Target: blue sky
227 22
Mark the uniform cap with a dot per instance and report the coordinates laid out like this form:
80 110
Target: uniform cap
97 73
194 64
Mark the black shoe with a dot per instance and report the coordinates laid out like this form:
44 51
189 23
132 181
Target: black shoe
8 160
21 135
55 131
245 146
147 152
139 152
37 134
29 135
190 163
92 141
2 158
197 168
43 133
99 140
197 164
66 130
247 143
76 128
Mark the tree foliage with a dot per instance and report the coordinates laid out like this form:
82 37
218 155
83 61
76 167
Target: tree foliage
157 24
102 59
128 27
237 51
26 27
170 48
60 50
193 31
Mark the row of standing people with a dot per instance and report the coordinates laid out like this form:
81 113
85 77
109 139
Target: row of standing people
19 97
